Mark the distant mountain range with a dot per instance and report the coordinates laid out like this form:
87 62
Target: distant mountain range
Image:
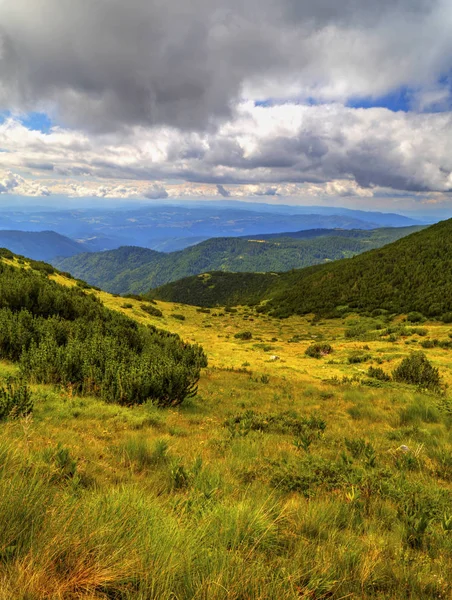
411 274
40 245
170 227
135 270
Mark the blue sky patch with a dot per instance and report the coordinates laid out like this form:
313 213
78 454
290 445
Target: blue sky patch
399 100
36 121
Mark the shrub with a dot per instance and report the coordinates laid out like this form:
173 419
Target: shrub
64 336
82 284
178 316
15 400
151 310
358 357
415 317
378 373
417 369
244 335
127 305
318 350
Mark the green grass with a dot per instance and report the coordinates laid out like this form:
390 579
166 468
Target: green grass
239 492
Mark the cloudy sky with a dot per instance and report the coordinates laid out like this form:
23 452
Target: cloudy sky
323 102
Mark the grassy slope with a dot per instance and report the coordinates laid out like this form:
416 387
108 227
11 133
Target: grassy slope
162 504
136 270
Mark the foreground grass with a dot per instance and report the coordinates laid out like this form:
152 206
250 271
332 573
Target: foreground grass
280 480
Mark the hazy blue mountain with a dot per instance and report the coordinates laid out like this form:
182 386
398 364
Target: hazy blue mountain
132 269
170 227
40 245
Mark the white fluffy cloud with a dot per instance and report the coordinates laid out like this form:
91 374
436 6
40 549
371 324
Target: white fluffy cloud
340 150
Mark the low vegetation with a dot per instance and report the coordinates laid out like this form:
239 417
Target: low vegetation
283 478
61 335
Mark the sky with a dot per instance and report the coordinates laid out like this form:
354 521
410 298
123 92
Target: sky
330 103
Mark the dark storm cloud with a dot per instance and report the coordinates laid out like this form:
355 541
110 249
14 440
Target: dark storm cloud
103 65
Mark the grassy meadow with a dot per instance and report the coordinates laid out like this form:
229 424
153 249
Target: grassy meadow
286 477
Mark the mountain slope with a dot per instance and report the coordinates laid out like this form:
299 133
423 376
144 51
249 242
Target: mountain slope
136 270
63 335
412 274
40 245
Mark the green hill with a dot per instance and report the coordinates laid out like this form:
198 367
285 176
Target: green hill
412 274
132 269
64 335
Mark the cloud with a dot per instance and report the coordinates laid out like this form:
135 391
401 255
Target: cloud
269 191
222 191
110 66
342 151
155 192
12 182
8 183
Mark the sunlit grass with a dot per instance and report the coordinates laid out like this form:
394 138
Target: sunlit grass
99 501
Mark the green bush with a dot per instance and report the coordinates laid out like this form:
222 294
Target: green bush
178 316
358 357
244 335
416 369
151 310
318 350
378 373
415 317
15 400
63 336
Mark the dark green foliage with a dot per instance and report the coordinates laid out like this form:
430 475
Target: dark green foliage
65 336
151 310
318 350
15 400
435 343
415 317
358 357
416 369
311 473
413 274
218 288
286 423
135 269
230 309
178 316
243 335
378 373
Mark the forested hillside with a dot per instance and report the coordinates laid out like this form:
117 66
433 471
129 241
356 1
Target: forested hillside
135 270
412 274
63 335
